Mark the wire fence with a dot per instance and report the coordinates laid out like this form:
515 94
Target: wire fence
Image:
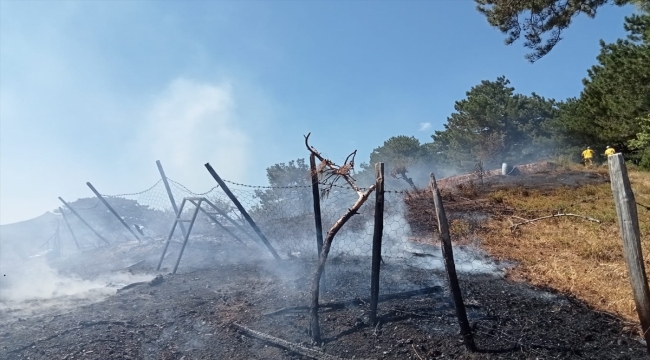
411 255
285 215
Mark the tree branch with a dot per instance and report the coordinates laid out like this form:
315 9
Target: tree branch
514 227
331 169
298 349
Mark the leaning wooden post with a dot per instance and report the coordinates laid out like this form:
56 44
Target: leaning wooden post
376 241
243 211
65 218
83 221
628 221
169 193
448 255
110 208
57 239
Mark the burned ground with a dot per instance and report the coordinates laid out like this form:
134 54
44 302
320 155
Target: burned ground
471 199
190 315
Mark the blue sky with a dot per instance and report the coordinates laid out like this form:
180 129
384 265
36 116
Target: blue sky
98 90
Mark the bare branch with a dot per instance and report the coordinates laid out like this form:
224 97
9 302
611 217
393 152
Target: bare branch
334 171
296 348
514 227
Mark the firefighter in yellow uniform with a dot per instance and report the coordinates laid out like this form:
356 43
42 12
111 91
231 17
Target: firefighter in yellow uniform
610 151
588 156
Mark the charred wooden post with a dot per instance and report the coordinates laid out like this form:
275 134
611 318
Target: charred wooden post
83 221
74 237
317 215
628 221
110 208
169 193
376 240
316 195
448 255
243 211
57 239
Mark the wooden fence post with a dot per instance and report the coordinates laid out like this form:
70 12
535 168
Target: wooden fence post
376 241
65 218
628 221
448 255
243 211
317 215
316 196
110 208
170 194
83 221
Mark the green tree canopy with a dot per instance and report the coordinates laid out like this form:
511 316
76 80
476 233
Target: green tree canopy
616 96
493 124
398 151
293 173
290 188
399 155
541 21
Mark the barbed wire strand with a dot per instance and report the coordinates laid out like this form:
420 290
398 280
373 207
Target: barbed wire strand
190 191
305 186
136 193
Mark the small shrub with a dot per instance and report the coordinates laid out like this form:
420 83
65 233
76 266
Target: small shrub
498 196
460 227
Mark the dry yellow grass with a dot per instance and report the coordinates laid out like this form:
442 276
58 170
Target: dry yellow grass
570 254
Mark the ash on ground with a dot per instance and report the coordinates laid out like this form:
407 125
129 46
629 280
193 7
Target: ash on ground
189 315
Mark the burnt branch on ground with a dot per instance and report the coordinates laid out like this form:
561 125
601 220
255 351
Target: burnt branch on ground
514 226
296 348
359 301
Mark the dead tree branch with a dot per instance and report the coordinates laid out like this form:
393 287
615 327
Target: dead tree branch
314 328
644 206
416 352
332 173
514 227
298 349
358 301
399 172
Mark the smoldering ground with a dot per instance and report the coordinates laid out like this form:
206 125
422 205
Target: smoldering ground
221 281
191 314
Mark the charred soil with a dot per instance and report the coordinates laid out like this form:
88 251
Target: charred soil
190 316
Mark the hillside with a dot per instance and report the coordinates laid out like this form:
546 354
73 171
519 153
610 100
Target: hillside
569 254
554 288
21 239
